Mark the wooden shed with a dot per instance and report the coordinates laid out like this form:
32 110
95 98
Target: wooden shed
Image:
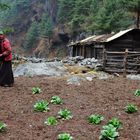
93 46
89 47
121 52
127 39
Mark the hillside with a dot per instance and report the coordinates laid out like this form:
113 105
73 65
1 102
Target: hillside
44 28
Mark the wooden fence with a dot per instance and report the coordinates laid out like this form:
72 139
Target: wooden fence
121 62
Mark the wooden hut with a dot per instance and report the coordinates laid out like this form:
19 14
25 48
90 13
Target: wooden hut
93 46
127 39
89 47
119 52
122 52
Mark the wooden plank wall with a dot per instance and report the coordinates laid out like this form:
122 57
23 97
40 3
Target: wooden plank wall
121 62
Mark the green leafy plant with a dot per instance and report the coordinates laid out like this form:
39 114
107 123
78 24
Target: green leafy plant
56 100
137 92
2 126
130 108
36 90
108 133
95 119
115 122
65 114
65 136
41 106
51 121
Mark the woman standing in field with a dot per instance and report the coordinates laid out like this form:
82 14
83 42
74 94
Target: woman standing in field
6 73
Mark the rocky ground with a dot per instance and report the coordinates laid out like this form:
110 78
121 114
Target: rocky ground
106 97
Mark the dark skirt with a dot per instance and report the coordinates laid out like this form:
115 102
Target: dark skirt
6 73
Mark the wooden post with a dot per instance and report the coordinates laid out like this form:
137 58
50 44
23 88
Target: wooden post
83 51
125 63
104 58
76 51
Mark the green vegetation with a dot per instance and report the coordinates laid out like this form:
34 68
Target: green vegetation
95 119
109 133
31 36
130 108
46 28
56 100
65 136
115 122
13 14
94 16
4 6
134 7
90 16
51 121
2 126
65 114
36 90
137 92
41 106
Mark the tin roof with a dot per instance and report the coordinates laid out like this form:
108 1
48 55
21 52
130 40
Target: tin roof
119 34
101 38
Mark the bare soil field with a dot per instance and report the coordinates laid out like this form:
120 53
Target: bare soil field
105 97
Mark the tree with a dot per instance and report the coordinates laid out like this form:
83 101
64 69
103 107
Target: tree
46 28
65 10
31 36
133 6
4 6
111 17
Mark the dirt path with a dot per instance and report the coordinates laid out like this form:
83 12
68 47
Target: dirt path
105 97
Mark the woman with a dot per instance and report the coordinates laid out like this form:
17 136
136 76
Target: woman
6 73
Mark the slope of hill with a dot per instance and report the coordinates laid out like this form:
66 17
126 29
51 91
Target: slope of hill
43 28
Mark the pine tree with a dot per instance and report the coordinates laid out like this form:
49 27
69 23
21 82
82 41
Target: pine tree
31 36
111 17
46 28
133 6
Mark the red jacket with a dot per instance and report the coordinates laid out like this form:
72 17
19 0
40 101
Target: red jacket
6 50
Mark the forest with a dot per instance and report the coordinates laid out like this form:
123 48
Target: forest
38 19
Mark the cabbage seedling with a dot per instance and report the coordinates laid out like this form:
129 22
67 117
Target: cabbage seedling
95 119
56 100
65 136
36 90
108 133
65 114
137 92
41 106
51 121
130 108
115 122
2 126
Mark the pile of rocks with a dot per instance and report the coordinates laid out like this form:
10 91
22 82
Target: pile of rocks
88 62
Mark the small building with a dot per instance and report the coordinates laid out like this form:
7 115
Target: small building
89 47
127 39
93 46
